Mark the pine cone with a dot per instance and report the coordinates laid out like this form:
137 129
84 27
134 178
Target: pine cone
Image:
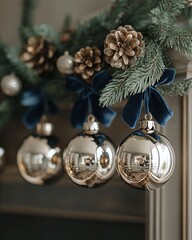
87 61
189 3
39 54
122 46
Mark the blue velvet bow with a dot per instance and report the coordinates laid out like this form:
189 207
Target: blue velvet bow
38 105
154 103
88 100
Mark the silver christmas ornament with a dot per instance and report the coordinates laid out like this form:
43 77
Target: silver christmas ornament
89 158
39 158
2 158
10 85
145 159
65 63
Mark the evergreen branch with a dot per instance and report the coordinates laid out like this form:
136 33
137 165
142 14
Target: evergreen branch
171 36
91 33
180 40
24 73
169 8
66 24
2 52
94 31
42 30
4 70
144 73
6 108
28 7
177 88
141 8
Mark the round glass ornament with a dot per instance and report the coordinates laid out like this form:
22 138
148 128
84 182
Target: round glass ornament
65 63
145 159
39 158
10 85
2 158
89 158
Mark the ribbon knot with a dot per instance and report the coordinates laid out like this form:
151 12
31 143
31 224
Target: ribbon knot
38 105
88 100
154 103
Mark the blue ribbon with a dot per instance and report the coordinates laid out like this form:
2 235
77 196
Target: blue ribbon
154 103
88 100
38 106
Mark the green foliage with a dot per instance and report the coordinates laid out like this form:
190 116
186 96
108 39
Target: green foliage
177 88
169 9
180 40
144 73
94 31
156 19
43 30
27 13
6 108
28 7
95 28
20 68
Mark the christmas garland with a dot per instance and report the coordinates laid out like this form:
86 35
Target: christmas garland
128 43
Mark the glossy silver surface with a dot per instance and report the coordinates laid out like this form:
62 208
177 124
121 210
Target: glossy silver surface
145 161
65 63
44 128
37 161
10 85
91 126
2 158
88 160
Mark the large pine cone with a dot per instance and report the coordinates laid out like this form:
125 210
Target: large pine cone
39 54
87 61
122 46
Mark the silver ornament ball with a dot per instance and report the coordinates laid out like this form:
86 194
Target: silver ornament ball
65 64
39 158
145 159
2 158
10 85
89 158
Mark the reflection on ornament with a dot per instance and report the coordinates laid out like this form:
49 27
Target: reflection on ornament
145 159
2 158
89 157
10 85
39 159
65 63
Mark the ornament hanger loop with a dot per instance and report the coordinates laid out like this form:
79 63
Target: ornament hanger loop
148 116
91 118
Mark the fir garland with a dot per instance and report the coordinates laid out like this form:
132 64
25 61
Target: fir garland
156 20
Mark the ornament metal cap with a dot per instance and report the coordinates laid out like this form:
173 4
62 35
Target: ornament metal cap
43 127
147 125
91 126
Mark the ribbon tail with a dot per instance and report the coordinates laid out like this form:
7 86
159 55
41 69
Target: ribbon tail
33 115
79 112
132 110
159 108
167 77
104 115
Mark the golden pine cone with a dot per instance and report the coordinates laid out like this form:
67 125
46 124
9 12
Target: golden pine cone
122 46
189 3
39 54
87 61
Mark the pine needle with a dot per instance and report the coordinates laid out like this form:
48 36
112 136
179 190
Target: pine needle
146 72
177 88
20 68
